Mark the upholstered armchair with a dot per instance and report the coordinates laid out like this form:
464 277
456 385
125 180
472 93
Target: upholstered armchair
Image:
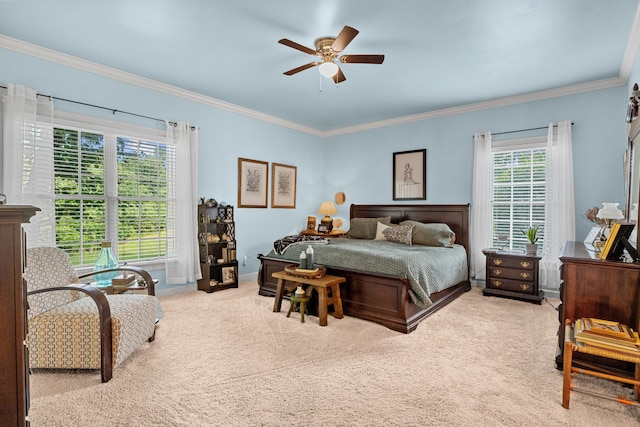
72 325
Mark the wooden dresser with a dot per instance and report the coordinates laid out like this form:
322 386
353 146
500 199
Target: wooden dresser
597 288
14 375
512 275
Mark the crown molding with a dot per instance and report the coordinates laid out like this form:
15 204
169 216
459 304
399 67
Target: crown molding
485 105
136 80
113 73
631 51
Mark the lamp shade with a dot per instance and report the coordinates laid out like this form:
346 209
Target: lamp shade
610 211
327 208
328 69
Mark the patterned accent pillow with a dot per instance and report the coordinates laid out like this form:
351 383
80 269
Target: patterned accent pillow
400 234
365 228
379 235
432 234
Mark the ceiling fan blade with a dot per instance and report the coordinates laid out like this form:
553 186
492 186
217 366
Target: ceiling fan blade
339 77
362 59
297 46
344 38
300 68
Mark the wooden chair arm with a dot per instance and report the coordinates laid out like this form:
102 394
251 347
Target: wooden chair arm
104 313
148 280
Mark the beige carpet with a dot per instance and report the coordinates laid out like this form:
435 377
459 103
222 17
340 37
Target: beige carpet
225 359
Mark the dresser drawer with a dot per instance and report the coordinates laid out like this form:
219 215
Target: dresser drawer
511 273
511 285
496 261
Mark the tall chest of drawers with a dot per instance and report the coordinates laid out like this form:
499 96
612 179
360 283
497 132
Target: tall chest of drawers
14 376
512 275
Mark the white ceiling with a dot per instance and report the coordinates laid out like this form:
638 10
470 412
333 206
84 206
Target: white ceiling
438 54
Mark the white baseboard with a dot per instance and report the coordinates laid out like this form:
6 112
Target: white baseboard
191 287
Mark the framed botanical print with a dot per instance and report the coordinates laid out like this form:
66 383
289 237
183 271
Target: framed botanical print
283 186
253 180
410 175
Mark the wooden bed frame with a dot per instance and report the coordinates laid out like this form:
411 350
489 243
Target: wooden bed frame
380 298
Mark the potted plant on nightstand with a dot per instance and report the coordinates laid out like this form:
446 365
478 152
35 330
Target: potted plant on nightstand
531 234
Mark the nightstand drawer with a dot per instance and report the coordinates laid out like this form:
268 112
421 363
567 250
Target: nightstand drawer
511 285
496 261
511 273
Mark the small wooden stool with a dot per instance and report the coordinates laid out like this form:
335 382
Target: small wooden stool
299 303
323 286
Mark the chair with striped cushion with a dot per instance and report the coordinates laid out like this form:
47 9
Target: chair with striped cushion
76 326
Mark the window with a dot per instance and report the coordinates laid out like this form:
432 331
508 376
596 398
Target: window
112 186
518 193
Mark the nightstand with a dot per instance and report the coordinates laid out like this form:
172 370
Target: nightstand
512 275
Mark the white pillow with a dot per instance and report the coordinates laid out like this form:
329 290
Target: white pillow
380 230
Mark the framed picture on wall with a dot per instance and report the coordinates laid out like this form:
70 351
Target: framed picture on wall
283 186
410 175
253 180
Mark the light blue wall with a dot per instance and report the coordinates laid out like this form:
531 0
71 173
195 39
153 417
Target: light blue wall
364 160
361 163
223 137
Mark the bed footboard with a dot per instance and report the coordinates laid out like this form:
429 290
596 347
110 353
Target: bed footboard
378 298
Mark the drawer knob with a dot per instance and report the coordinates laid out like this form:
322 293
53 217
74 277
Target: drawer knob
524 275
497 261
524 286
497 282
497 272
525 264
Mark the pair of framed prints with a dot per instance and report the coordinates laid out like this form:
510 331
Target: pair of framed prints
253 184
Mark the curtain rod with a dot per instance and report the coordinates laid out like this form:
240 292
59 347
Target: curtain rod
113 110
523 130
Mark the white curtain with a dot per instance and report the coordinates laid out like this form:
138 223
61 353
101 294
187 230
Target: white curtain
27 159
481 229
560 222
186 267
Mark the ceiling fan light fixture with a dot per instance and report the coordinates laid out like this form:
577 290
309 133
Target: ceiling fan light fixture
328 69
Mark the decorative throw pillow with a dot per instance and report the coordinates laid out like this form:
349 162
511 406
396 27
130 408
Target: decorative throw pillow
365 228
379 230
400 234
432 234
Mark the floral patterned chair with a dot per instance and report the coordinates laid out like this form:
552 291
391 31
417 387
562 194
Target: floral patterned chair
76 326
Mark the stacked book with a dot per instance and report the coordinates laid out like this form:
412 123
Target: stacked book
607 335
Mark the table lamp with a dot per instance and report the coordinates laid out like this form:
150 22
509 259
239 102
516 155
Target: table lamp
326 209
609 212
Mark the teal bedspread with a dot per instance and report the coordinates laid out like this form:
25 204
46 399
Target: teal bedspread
429 269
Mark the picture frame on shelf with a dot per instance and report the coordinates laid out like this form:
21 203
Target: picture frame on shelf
253 183
283 186
228 275
410 175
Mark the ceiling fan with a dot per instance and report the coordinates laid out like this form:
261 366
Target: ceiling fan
328 49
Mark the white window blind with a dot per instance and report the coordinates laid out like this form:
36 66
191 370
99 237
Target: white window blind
519 182
112 185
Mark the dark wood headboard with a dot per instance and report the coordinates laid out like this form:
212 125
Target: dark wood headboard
456 216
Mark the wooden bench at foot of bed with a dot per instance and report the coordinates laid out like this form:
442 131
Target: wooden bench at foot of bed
381 298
